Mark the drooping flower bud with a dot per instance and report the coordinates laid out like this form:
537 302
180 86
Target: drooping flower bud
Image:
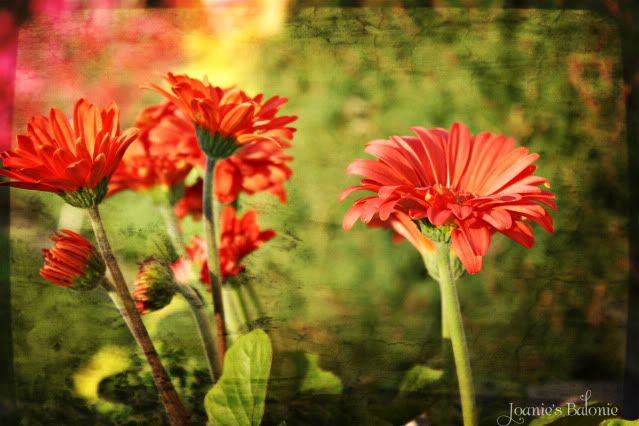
154 286
72 262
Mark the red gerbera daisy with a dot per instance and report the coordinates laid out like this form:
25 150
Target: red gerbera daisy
164 153
252 168
454 185
256 167
74 163
227 118
191 202
238 239
72 262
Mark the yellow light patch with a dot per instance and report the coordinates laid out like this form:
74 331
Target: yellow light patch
108 361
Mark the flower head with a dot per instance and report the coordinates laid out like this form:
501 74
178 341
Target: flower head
154 286
72 262
225 119
455 186
74 163
164 153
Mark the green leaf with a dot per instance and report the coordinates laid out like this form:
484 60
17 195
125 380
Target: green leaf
302 376
238 396
419 378
561 417
318 381
551 418
619 422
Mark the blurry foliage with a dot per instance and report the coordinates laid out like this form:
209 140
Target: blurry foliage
550 79
567 417
419 378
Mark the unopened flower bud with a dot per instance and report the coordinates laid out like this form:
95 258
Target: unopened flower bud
154 286
72 262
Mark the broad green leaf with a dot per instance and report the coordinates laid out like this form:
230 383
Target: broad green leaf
238 396
619 422
302 376
418 378
562 417
318 381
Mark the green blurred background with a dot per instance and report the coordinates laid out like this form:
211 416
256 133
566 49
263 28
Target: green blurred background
544 324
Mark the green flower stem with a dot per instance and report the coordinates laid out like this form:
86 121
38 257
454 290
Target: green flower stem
191 295
174 409
172 226
433 271
241 302
232 314
212 256
207 337
255 299
110 288
453 319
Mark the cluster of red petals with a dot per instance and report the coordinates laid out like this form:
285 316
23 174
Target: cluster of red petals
404 229
191 201
68 259
238 238
184 268
479 185
260 166
229 112
164 153
54 157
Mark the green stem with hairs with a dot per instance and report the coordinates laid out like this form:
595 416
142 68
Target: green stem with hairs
241 302
212 256
191 295
433 271
170 400
110 289
207 337
232 314
453 319
255 299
